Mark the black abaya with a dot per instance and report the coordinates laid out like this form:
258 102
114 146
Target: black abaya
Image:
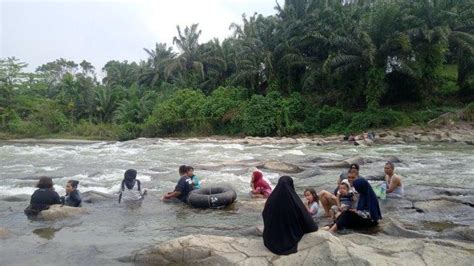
285 218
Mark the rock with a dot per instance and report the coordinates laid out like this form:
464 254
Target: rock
395 228
282 167
393 159
4 233
17 198
318 248
446 119
469 142
59 212
95 196
312 172
345 163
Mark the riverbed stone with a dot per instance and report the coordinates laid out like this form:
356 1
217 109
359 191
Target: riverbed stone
57 211
4 233
96 196
318 248
281 167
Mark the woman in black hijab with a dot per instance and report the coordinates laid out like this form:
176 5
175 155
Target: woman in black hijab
367 213
285 219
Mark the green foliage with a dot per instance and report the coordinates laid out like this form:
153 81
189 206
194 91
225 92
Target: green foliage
468 113
377 119
313 67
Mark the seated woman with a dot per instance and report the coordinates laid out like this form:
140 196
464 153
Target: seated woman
261 187
393 182
367 213
73 196
43 197
285 218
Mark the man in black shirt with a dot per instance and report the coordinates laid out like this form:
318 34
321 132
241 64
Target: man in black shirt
182 189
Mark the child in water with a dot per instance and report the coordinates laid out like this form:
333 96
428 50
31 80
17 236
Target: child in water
73 196
312 204
344 199
190 173
131 190
261 188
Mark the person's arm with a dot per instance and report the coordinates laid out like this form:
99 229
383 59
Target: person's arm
173 194
394 184
76 198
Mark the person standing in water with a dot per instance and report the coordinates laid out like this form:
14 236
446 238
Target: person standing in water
286 219
130 189
73 196
43 197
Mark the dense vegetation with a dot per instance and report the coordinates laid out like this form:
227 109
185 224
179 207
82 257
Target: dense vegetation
317 66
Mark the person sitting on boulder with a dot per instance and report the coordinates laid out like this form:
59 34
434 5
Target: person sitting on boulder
313 203
73 196
183 187
327 198
367 213
130 189
344 199
261 187
286 219
190 173
393 181
43 197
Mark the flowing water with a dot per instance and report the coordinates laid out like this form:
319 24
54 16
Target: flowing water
110 231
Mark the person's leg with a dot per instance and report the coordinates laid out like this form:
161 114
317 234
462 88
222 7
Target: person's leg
350 219
327 199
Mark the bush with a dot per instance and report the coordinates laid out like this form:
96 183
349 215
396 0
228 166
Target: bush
129 131
223 107
383 118
95 131
467 114
261 115
183 112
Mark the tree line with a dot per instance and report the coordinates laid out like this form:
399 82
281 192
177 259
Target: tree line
316 66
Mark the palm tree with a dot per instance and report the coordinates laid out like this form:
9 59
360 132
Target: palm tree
154 70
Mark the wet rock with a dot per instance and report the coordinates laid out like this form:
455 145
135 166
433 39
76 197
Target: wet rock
308 173
96 196
395 228
319 248
4 233
443 208
345 163
59 212
465 233
469 142
393 159
17 198
281 167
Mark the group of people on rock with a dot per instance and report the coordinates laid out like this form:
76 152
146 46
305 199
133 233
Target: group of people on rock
286 217
353 205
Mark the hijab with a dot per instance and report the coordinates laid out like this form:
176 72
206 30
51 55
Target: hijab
285 219
367 199
259 181
129 178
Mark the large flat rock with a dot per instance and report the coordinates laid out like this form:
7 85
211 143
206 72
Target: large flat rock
59 212
319 248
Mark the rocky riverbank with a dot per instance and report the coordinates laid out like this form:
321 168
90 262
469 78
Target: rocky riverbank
319 248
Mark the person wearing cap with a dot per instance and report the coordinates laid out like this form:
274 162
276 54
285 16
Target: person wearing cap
329 199
73 196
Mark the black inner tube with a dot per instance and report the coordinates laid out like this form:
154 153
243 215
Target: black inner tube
213 197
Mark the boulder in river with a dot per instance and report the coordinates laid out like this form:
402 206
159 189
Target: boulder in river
96 196
281 167
345 163
59 212
4 233
318 248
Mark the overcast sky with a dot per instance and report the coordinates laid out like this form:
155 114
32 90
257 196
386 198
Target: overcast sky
98 31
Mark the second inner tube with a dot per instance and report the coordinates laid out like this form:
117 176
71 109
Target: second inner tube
212 197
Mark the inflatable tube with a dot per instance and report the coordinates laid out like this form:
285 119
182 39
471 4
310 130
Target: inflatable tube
213 197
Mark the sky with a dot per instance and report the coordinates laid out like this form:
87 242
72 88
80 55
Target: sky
38 31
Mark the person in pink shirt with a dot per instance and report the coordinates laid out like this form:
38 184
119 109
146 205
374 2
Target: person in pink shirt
261 188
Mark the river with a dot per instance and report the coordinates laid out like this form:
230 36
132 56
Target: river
110 231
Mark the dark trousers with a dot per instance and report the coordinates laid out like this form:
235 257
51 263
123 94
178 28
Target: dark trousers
350 219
